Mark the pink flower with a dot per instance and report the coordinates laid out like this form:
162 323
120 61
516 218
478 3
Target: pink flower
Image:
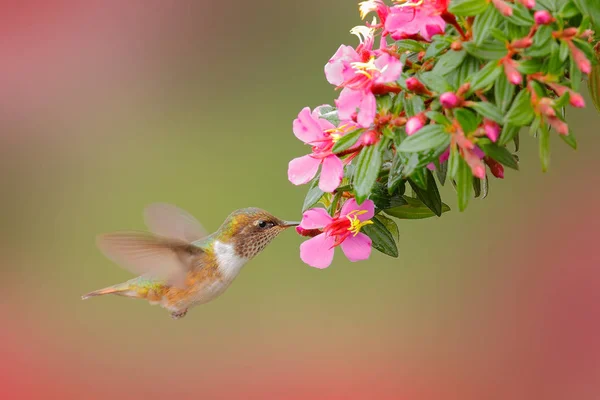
343 230
339 68
358 90
411 19
321 135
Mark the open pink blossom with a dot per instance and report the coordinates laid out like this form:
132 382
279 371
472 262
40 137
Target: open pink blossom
358 90
339 68
321 135
342 230
416 19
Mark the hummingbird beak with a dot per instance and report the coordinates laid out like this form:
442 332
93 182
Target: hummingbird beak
288 224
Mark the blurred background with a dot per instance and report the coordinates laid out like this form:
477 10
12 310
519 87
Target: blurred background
107 106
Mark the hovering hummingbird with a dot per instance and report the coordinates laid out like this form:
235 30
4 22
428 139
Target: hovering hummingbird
180 265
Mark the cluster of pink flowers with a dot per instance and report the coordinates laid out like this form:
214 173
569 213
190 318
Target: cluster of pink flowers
373 69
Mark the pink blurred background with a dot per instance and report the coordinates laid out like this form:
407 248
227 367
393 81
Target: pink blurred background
108 106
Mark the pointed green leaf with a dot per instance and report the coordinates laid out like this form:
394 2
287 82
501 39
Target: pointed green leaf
570 140
489 19
368 164
419 178
520 15
430 196
382 238
390 225
488 110
503 92
594 86
467 120
485 77
313 196
509 132
488 50
521 113
500 154
544 147
347 141
438 117
466 8
464 184
428 137
449 62
414 209
453 163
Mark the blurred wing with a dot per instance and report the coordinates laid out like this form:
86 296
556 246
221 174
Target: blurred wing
157 257
167 220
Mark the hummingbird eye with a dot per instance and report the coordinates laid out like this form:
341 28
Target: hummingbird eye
262 224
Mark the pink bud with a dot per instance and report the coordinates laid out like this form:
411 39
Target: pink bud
580 59
576 99
369 138
415 123
510 69
414 85
522 43
558 125
543 17
528 3
504 8
477 166
492 129
450 100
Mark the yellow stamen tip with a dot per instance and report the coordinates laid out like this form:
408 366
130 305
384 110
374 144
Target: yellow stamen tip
356 224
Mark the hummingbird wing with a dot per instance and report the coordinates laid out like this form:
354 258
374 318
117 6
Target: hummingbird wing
167 220
157 257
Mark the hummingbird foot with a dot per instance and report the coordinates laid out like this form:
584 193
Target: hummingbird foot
178 314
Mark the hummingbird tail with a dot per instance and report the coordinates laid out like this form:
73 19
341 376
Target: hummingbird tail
116 289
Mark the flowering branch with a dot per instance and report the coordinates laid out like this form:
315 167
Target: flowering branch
434 91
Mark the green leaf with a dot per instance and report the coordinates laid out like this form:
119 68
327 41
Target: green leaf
368 164
390 224
488 110
428 137
467 69
435 82
436 47
521 15
485 77
575 75
541 42
414 209
521 113
531 66
395 177
477 187
464 184
591 9
419 178
441 171
594 86
544 147
347 141
464 8
449 62
438 117
330 114
409 45
563 51
382 238
488 50
467 120
453 163
313 196
484 22
509 132
570 140
556 67
430 196
503 92
500 154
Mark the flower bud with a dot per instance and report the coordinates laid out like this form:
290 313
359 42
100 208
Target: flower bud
456 46
522 43
495 167
528 3
510 69
580 59
492 129
576 100
414 85
450 100
369 138
504 8
559 126
414 124
543 17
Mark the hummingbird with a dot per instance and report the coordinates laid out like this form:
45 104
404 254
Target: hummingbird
180 266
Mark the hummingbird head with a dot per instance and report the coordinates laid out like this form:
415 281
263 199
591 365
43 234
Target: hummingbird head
250 230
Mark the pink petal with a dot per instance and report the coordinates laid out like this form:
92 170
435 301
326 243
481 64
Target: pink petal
306 128
357 248
331 174
347 103
352 205
338 70
433 29
318 251
315 218
391 68
302 169
368 109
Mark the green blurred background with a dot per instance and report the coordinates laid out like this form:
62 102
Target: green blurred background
108 106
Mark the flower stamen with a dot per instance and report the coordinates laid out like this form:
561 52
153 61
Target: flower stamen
364 68
355 223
